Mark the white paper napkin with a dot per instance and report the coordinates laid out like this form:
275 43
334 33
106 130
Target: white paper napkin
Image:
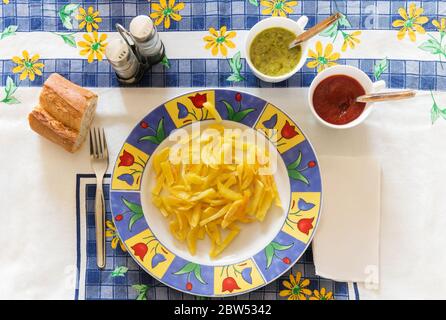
346 244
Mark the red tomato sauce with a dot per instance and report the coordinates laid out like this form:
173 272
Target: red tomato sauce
334 99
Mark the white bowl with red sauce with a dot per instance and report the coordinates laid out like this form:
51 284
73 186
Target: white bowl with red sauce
332 96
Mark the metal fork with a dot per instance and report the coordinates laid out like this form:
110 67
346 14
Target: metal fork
99 164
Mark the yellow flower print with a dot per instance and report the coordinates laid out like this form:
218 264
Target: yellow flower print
166 11
219 40
322 295
322 59
440 25
350 40
89 19
6 1
28 67
93 46
296 289
278 7
111 233
412 22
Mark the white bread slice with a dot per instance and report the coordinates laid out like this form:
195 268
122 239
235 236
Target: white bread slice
65 113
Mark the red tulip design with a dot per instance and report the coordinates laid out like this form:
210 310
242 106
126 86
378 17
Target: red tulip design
119 217
305 225
288 131
311 164
229 284
188 286
143 124
198 100
140 250
286 260
238 97
126 160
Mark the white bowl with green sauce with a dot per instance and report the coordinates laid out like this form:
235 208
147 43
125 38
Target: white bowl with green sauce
267 52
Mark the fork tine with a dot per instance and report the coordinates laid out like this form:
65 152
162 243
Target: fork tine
105 144
91 145
101 150
96 144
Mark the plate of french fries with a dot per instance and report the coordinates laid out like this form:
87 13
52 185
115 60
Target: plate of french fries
212 210
208 205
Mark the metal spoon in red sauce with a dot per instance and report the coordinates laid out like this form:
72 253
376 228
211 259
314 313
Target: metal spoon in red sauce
334 99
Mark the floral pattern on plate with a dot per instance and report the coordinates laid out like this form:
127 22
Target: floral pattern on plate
129 168
189 108
150 253
279 129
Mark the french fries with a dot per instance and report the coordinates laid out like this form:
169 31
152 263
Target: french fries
211 198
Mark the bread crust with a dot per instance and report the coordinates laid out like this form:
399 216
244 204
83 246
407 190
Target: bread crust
44 124
66 101
65 112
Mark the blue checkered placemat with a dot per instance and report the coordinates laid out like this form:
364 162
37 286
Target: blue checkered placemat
101 284
422 75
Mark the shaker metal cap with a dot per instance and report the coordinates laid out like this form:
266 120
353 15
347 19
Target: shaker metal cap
141 27
117 52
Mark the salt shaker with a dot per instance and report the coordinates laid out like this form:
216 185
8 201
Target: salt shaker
148 44
124 61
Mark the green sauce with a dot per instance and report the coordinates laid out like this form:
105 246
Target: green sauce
270 54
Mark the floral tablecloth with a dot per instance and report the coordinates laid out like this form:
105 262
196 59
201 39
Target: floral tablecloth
401 42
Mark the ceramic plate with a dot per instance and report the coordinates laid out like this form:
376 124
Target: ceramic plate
262 251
